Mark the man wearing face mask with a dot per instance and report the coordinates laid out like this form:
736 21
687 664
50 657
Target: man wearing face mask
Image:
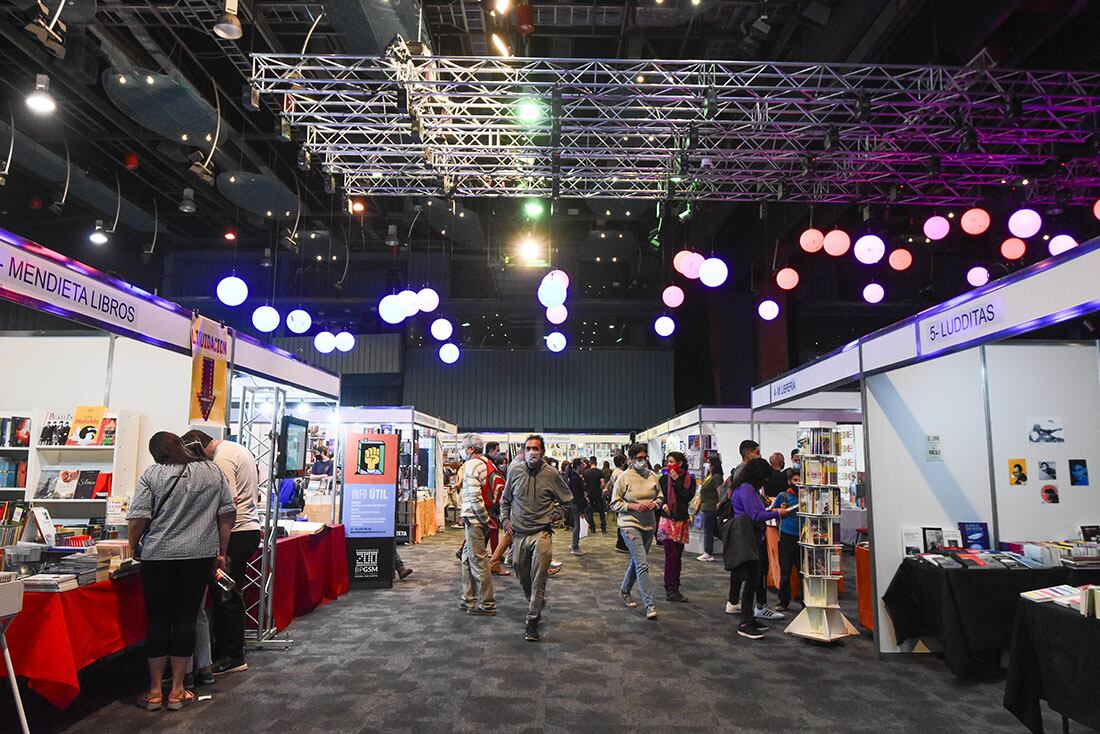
477 507
530 491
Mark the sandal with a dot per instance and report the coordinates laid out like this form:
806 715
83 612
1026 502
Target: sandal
152 702
175 704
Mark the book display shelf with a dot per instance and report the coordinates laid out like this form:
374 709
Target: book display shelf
819 535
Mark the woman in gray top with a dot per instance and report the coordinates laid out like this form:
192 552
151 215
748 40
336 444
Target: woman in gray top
180 518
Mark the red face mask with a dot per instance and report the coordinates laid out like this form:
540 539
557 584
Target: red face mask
673 466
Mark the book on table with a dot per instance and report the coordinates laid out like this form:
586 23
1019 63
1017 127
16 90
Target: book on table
1050 593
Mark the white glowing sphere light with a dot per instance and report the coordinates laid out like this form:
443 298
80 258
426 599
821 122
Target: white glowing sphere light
232 291
442 330
266 319
298 321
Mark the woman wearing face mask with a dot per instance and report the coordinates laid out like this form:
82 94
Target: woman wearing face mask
708 504
678 487
635 498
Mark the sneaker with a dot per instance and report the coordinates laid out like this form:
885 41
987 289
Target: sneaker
482 612
553 569
765 613
555 564
629 600
733 608
532 632
706 557
229 665
464 606
750 631
676 596
404 572
204 678
577 552
651 613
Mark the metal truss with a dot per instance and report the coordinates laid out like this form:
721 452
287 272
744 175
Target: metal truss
705 130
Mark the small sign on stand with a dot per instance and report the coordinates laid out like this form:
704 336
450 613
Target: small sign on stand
933 447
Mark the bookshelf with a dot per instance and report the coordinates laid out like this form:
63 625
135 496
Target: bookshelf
16 432
819 535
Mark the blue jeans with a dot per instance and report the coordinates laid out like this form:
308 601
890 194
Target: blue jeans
638 542
709 521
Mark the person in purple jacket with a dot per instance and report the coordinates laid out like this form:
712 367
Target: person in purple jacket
746 501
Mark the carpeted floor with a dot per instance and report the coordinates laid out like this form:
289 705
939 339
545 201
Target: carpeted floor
408 660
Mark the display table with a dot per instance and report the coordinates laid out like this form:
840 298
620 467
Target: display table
57 634
971 612
1055 656
310 570
427 524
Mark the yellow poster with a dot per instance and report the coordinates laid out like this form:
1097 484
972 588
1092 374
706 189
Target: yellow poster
209 372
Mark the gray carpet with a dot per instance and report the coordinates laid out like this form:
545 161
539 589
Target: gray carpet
408 660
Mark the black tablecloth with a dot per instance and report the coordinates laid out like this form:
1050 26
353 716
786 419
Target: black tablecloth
971 611
1055 656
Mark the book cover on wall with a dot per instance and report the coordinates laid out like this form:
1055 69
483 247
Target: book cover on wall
1017 472
933 539
1078 473
85 484
84 430
66 484
107 432
47 484
912 542
975 535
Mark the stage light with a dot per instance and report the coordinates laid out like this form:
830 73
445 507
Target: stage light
529 111
298 321
441 330
501 7
900 259
974 221
187 201
869 249
265 319
407 299
873 293
1013 248
232 291
533 209
230 235
99 234
673 296
557 314
555 341
977 276
1060 243
768 310
391 309
713 272
837 242
228 25
529 251
40 101
448 353
324 342
1024 223
500 46
787 279
664 326
427 300
812 240
345 341
936 227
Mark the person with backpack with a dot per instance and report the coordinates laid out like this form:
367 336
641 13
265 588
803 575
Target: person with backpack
481 482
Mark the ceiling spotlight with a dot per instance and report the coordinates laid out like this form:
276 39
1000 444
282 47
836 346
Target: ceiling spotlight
528 250
230 235
501 7
40 101
266 261
356 205
533 209
187 202
303 158
228 25
98 235
501 48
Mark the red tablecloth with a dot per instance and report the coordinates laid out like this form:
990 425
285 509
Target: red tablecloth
56 635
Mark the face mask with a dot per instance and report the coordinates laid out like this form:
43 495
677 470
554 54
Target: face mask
533 457
641 465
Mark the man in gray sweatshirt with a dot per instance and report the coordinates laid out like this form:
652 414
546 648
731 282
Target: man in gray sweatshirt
530 491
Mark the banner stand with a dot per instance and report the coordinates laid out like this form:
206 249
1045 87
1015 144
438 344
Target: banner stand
368 506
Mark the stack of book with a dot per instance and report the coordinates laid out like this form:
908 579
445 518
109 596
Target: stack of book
113 548
87 567
51 582
1085 599
976 560
120 568
1072 553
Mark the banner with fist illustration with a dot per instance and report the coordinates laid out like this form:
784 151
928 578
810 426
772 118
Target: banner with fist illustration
370 485
209 372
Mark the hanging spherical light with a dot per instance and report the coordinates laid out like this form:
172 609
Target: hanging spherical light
345 341
232 291
787 279
869 249
557 314
555 341
768 310
900 259
977 276
679 259
427 300
557 276
812 240
1059 243
324 342
298 321
1024 223
1013 248
936 227
837 242
691 265
1096 209
266 319
448 353
713 272
974 221
441 329
391 309
873 293
407 299
673 296
664 326
551 293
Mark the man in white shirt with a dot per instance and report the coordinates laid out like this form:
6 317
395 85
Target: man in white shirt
228 619
477 579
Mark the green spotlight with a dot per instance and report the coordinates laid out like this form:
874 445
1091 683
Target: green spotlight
529 110
533 209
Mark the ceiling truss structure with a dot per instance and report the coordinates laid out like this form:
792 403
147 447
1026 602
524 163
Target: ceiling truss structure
697 130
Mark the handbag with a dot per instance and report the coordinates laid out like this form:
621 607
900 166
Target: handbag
739 542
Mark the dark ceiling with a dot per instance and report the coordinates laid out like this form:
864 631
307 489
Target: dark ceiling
341 263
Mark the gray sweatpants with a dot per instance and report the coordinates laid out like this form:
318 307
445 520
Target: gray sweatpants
477 580
532 563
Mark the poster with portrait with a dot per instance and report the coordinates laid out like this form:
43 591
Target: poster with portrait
1017 472
1078 473
1048 471
1048 493
1045 430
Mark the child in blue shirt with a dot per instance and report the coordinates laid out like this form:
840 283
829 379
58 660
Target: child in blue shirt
788 537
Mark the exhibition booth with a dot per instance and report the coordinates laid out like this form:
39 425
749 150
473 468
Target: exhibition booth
979 440
77 411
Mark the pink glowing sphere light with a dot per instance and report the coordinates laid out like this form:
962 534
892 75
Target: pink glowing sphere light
936 227
977 276
787 279
873 293
900 259
837 242
673 296
691 265
974 221
812 240
1025 223
1060 243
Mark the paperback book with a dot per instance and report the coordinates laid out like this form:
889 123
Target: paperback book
975 535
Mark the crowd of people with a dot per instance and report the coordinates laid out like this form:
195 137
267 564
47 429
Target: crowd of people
509 511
